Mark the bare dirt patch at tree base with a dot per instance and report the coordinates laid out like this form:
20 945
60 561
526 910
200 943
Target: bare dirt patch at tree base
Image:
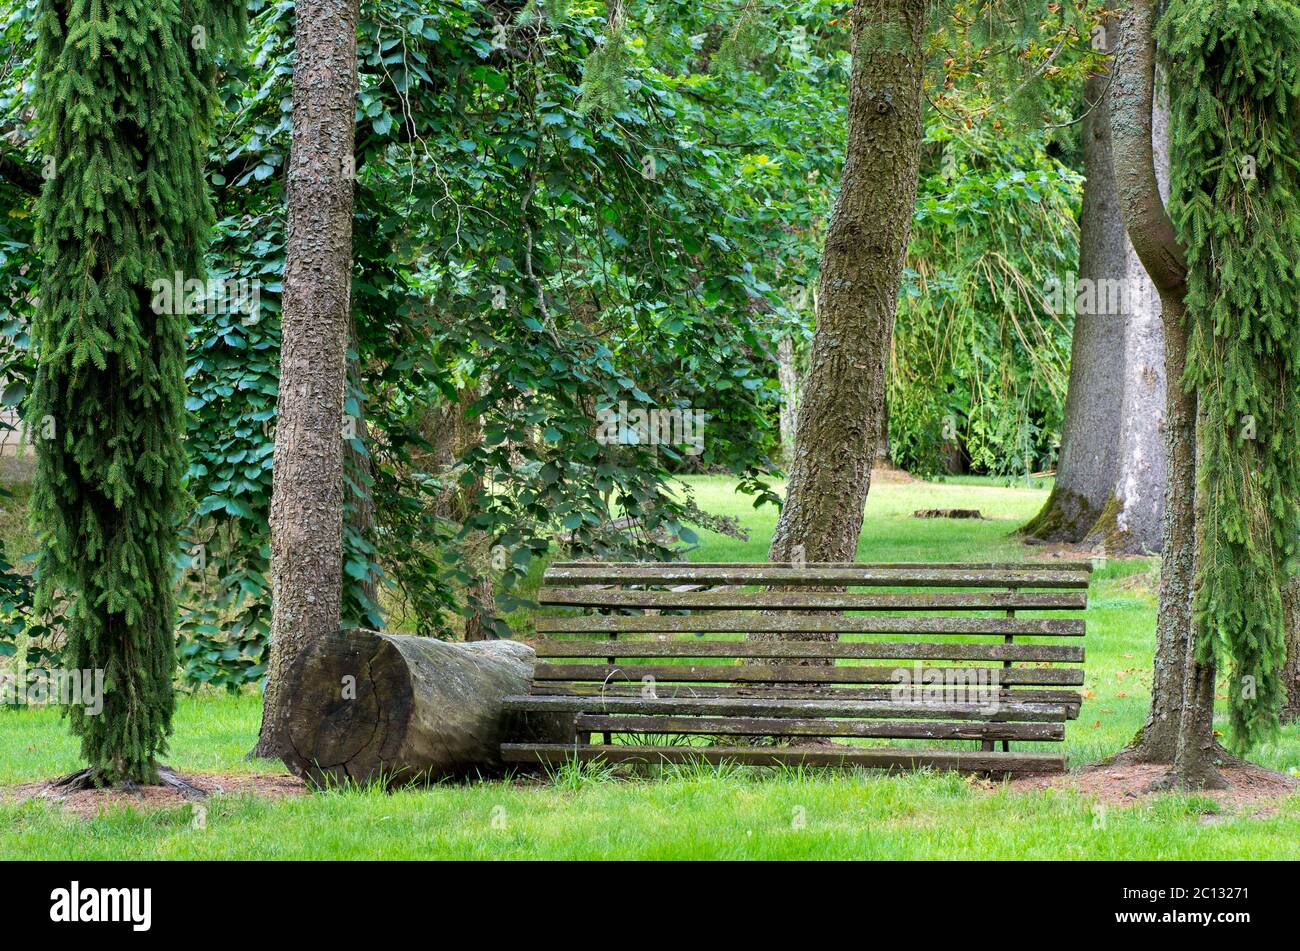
1127 785
88 803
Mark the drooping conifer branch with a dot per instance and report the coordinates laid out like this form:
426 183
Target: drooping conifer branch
1235 86
125 105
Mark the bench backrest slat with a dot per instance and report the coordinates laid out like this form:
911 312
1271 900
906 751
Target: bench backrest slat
1026 566
807 623
777 673
1008 711
804 726
893 577
1042 653
814 600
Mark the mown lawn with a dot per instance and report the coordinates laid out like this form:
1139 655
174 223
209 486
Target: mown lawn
700 812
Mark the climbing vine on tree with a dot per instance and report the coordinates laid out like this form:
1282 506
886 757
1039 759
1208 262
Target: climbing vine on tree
125 106
1235 201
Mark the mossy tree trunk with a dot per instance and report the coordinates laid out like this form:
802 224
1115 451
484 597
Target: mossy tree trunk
1090 436
307 494
842 407
1179 728
1291 672
1132 520
454 430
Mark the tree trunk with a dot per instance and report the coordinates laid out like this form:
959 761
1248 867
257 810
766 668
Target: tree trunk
1157 742
1196 750
787 375
843 397
1291 672
1132 521
455 432
394 709
1090 434
1179 729
307 493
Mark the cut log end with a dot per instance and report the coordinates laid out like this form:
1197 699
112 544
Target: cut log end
351 701
390 709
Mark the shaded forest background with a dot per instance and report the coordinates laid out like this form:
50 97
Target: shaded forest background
558 211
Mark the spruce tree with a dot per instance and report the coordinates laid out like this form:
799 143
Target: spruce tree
126 103
1235 202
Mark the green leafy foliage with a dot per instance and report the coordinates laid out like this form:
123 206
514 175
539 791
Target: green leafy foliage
563 226
636 275
980 361
18 291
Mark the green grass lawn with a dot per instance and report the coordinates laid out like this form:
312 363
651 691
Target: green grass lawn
701 812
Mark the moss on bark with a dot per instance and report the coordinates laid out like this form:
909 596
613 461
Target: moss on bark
1066 517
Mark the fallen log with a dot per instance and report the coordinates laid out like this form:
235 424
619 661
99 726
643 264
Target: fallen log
947 513
369 707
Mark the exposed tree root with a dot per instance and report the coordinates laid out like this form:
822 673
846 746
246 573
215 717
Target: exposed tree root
1066 517
1196 778
1203 775
1147 747
84 779
1107 536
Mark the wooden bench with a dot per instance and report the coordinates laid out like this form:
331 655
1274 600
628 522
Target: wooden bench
649 675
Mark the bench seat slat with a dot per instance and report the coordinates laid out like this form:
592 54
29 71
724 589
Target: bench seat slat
1081 566
1071 699
773 674
684 574
1005 712
1044 653
972 761
802 726
737 623
816 600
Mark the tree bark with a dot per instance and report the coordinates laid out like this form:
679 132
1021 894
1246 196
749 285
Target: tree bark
1132 521
307 492
1157 742
1196 750
15 170
1291 672
1090 434
1179 729
843 398
787 375
455 430
395 709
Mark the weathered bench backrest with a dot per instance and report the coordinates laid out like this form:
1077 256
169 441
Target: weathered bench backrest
683 649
